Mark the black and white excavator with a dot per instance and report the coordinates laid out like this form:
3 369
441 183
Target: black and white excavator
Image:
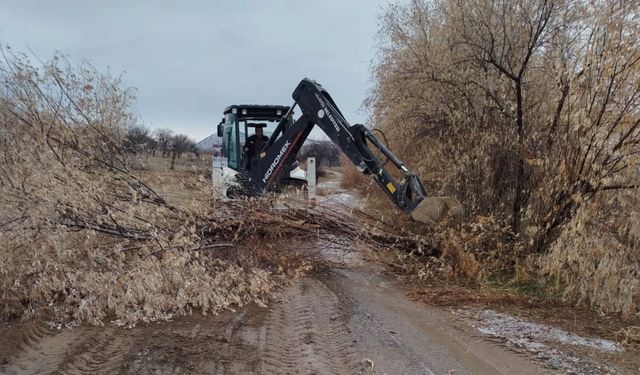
268 158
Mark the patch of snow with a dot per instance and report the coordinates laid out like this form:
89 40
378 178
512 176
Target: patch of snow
537 338
345 198
498 324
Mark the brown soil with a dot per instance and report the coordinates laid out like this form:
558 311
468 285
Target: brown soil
341 321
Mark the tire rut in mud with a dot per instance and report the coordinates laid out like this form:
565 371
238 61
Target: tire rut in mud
101 353
74 351
306 334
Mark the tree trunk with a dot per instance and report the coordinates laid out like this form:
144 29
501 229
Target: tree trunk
520 196
565 209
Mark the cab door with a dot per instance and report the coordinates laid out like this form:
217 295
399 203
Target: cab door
230 142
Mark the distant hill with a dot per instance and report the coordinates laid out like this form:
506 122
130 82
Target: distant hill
212 141
209 143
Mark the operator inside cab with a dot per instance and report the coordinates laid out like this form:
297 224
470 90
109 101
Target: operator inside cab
254 143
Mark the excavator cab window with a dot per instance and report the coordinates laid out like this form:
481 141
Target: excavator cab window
268 126
238 126
230 142
249 132
220 129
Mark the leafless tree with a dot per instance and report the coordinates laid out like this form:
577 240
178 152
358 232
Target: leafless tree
164 138
180 144
138 138
326 153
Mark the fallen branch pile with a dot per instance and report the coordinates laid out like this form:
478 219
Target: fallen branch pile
343 226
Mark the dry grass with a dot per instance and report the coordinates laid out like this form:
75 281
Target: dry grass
351 178
629 337
597 259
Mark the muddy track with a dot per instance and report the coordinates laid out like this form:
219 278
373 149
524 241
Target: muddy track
333 322
306 334
78 351
102 353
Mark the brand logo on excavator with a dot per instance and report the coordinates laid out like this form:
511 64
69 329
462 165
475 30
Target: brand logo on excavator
324 111
273 165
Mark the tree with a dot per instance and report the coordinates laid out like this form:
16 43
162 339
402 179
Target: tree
524 109
180 144
326 153
138 138
164 137
481 26
152 146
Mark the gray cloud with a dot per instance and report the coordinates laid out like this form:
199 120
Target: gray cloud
190 59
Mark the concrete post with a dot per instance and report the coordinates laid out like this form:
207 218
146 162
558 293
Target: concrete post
311 177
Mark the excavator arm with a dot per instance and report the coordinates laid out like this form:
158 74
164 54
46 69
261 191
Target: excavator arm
319 109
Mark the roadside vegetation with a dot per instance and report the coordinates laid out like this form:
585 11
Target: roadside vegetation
528 111
83 237
95 228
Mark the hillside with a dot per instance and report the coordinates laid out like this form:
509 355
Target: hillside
209 143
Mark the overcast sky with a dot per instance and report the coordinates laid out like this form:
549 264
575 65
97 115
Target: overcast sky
190 59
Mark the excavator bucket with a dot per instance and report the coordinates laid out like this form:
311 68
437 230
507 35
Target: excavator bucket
433 210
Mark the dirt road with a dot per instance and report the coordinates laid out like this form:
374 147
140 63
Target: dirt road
337 321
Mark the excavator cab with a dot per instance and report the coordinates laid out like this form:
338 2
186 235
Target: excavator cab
239 127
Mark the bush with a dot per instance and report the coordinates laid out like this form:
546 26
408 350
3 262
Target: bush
597 258
84 239
531 127
351 177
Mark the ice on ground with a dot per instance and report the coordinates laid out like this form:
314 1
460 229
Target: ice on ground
498 324
537 339
345 198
